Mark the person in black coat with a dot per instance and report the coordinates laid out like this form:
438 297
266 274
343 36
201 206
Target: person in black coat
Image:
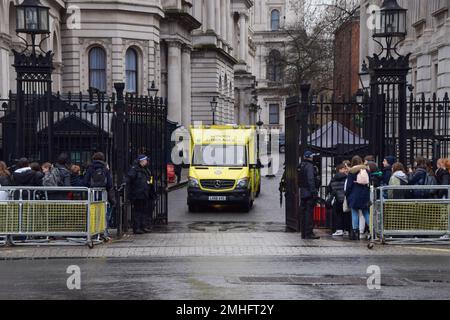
336 189
309 184
97 174
24 176
418 176
141 192
443 176
388 162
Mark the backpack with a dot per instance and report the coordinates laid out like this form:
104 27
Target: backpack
99 178
431 181
363 177
52 179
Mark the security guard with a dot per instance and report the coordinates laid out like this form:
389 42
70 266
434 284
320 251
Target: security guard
141 192
309 184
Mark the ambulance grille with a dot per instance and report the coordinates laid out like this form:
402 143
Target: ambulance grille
217 184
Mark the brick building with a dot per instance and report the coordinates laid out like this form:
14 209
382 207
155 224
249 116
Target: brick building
346 59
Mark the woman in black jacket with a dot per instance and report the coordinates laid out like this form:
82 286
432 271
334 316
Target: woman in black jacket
443 176
336 190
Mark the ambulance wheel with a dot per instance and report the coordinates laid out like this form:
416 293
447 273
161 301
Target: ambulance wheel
247 207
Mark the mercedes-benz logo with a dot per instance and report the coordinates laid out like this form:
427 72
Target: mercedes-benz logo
218 184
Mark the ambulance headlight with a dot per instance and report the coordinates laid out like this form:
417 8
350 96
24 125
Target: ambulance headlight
193 183
242 183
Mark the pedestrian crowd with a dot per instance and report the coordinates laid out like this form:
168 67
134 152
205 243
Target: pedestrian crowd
348 193
139 181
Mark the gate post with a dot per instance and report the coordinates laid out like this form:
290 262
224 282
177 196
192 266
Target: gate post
120 152
291 162
304 116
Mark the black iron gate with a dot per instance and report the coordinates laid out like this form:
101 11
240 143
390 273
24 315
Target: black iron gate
334 130
337 130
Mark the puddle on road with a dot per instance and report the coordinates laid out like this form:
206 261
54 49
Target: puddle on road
214 227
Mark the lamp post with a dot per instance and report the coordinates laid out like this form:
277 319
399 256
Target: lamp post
33 75
359 97
33 19
214 105
153 90
364 76
388 76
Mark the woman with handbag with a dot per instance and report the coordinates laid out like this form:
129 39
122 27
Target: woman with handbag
358 194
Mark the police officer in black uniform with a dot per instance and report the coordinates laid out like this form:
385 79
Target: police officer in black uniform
141 191
309 184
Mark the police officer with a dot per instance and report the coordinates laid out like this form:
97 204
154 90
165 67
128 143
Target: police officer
141 188
309 184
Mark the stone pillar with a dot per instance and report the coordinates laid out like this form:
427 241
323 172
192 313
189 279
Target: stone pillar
243 33
186 87
218 16
224 14
230 25
211 14
444 71
4 67
174 81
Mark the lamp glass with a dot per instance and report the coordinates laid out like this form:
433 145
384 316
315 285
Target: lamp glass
359 96
214 105
20 18
31 18
43 19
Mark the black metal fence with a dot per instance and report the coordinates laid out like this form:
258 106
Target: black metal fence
340 130
81 124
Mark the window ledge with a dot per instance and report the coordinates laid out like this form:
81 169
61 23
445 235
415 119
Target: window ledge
439 11
419 23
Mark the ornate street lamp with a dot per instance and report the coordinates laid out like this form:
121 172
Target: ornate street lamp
359 97
214 105
153 91
33 18
392 25
364 76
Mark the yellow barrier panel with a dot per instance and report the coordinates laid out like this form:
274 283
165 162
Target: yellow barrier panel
415 216
54 217
9 217
98 218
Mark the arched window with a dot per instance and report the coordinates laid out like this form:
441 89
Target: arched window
97 68
274 68
131 70
275 20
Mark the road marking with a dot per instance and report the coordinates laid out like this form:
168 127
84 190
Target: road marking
431 249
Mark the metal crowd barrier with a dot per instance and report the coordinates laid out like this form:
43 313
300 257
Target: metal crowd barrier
410 221
56 216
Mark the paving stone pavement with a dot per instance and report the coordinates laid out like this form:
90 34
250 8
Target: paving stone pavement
217 244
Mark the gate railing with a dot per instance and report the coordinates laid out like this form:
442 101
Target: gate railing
35 215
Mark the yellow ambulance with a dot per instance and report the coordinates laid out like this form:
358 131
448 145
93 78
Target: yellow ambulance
224 166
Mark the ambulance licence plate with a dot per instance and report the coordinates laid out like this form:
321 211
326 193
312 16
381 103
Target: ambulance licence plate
217 198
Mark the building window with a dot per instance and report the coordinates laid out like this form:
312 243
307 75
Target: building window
131 71
274 114
275 20
97 69
274 66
